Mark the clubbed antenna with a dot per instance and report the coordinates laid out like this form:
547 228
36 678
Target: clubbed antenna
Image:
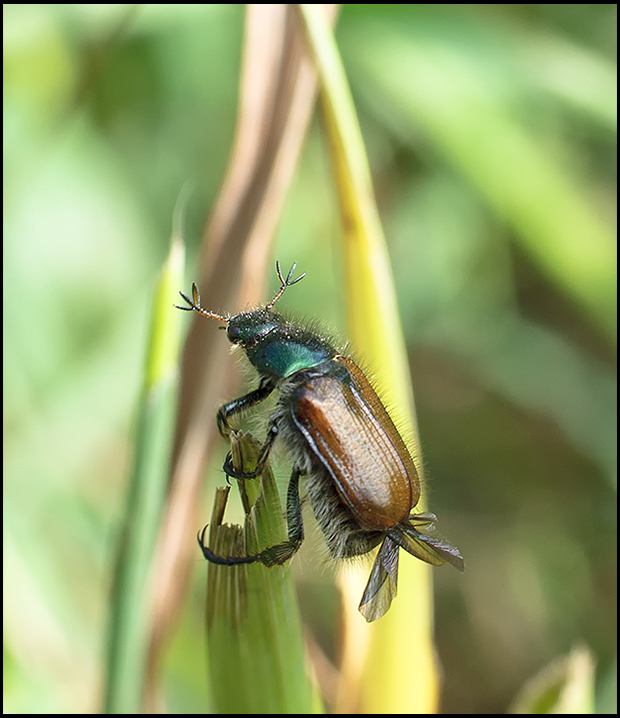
284 283
194 306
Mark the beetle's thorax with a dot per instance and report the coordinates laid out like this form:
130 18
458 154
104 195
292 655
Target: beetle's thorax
276 346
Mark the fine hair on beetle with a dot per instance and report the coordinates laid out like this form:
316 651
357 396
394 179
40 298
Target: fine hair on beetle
259 420
286 450
361 479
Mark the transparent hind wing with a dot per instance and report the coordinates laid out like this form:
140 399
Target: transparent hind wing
382 583
431 549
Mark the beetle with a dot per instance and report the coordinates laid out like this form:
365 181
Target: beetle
360 478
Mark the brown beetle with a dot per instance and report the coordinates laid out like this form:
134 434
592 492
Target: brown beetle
360 478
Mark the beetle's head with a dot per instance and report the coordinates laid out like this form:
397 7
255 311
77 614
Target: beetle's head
248 328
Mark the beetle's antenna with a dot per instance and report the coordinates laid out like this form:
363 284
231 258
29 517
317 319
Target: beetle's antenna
284 283
194 306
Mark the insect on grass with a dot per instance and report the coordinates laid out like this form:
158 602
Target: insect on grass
359 475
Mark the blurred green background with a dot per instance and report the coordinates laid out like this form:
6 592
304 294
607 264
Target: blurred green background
491 131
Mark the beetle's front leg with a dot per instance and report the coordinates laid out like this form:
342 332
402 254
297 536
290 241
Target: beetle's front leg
230 470
241 404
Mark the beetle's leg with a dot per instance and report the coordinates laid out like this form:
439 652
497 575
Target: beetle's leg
221 560
230 470
241 404
281 552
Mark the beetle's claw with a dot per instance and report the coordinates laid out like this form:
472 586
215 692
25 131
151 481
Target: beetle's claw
201 537
231 472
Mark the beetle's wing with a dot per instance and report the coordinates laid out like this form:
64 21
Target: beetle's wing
351 433
425 519
431 549
381 587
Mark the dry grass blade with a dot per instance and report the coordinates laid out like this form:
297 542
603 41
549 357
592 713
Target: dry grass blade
276 98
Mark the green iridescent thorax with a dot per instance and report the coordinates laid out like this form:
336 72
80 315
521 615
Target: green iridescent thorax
276 346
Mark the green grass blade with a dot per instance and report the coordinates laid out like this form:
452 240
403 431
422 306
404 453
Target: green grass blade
255 637
128 631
